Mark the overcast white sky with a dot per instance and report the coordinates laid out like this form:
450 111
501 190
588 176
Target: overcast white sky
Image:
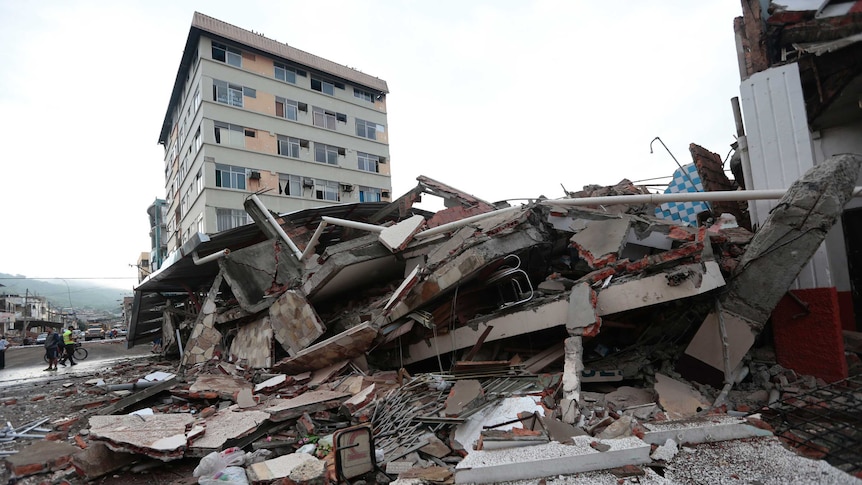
502 99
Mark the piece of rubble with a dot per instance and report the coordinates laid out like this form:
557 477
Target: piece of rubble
40 457
295 322
705 429
276 468
98 460
161 436
504 411
619 428
431 474
309 472
309 402
397 236
272 384
227 424
464 394
253 343
346 345
226 387
601 241
495 439
678 399
665 452
549 460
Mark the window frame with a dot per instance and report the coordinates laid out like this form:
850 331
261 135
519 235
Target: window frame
367 129
236 176
327 151
293 144
287 106
290 182
327 190
231 55
365 161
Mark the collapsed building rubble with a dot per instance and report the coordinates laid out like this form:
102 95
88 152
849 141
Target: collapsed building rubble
481 343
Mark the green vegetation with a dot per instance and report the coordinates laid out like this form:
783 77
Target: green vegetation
65 293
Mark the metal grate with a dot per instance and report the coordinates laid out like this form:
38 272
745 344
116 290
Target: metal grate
825 423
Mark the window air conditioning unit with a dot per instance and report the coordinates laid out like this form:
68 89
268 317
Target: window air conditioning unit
384 193
308 183
254 175
347 187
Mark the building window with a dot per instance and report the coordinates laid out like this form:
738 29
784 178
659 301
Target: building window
288 146
323 118
369 194
230 218
326 153
286 108
200 223
227 134
367 129
198 141
289 185
323 86
197 98
363 95
326 190
227 54
368 162
285 73
227 93
230 177
199 182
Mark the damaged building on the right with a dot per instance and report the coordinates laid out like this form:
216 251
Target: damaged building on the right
801 102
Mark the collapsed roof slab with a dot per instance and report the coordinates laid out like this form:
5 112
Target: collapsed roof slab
356 266
225 425
253 271
601 242
295 322
398 236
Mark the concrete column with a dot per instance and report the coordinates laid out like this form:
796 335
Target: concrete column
572 367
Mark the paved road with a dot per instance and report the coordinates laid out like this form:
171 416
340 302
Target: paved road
26 364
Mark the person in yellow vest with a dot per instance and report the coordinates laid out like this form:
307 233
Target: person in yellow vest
69 344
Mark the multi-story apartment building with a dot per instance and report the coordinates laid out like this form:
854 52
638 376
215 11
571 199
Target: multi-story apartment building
250 115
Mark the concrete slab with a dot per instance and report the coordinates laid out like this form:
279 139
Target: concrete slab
706 346
271 384
277 468
582 318
253 344
503 411
602 241
398 236
678 399
225 386
225 425
98 460
161 436
706 429
346 345
312 401
550 460
653 289
463 395
40 457
254 270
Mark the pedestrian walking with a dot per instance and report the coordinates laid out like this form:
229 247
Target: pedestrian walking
4 344
52 345
69 346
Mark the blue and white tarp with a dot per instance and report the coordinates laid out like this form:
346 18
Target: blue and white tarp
685 212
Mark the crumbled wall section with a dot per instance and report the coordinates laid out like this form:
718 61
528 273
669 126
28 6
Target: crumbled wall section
204 340
711 171
253 344
294 322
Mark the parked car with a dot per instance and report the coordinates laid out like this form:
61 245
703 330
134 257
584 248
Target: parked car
40 340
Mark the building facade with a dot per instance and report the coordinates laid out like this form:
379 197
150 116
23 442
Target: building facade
249 115
158 213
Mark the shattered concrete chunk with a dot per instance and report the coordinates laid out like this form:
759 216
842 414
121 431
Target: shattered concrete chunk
98 460
396 237
161 436
40 457
464 394
295 322
253 344
678 399
281 467
312 401
601 242
225 425
346 345
225 386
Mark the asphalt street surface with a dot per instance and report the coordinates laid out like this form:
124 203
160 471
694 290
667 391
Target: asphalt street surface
27 363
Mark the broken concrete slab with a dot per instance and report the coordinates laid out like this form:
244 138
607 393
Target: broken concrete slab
252 272
704 358
40 457
705 429
463 395
98 460
225 386
582 317
504 411
549 460
679 400
346 345
397 236
295 322
653 289
312 401
277 468
601 241
225 425
272 384
161 436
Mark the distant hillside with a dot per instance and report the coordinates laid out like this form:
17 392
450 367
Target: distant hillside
79 294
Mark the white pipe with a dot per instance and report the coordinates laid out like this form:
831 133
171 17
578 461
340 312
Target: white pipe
212 257
715 196
353 224
462 222
275 225
309 248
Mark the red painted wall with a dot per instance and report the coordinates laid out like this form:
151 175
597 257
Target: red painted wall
810 343
848 316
